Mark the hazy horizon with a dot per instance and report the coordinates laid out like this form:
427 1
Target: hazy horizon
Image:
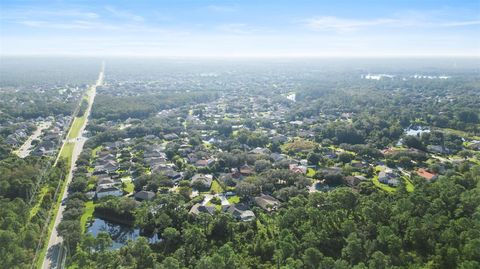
241 29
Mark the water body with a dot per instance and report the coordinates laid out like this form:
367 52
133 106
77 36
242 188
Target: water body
292 97
119 233
414 131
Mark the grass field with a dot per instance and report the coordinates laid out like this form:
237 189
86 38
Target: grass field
310 172
216 187
67 152
36 207
234 199
76 126
87 214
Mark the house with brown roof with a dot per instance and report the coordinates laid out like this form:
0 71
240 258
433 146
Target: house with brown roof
429 176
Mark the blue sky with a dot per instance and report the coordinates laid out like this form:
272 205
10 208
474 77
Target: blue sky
241 28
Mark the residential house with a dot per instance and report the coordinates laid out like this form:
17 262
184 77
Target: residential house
144 196
239 211
246 170
427 175
388 177
267 202
202 179
204 162
298 168
199 208
103 191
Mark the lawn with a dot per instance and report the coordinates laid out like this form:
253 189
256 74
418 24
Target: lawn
67 152
382 186
408 184
460 133
128 186
310 172
216 187
87 214
76 126
234 199
95 150
332 147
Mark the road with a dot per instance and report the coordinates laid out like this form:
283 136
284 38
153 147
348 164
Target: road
55 241
25 149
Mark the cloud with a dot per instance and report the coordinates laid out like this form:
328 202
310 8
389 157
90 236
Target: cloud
460 23
330 23
124 14
218 8
71 25
237 28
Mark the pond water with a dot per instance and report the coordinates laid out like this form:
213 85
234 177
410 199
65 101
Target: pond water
119 233
417 131
413 131
324 187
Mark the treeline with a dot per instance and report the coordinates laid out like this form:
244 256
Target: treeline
123 107
83 107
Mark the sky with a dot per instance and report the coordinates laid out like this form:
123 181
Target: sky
262 28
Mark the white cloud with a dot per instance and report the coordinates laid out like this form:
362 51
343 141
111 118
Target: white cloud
330 23
124 14
218 8
238 28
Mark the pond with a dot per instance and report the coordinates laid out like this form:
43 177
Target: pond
324 187
413 131
119 233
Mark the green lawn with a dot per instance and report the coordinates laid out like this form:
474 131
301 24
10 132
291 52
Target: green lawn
36 207
216 187
382 186
128 186
234 199
310 172
76 126
67 152
408 184
87 214
95 150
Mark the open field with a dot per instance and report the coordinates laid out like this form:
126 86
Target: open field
67 152
76 126
87 214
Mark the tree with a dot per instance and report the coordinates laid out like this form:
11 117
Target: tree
262 165
312 258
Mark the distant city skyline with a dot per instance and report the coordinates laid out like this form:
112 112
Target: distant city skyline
241 28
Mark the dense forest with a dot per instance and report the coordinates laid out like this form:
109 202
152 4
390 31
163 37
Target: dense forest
23 216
